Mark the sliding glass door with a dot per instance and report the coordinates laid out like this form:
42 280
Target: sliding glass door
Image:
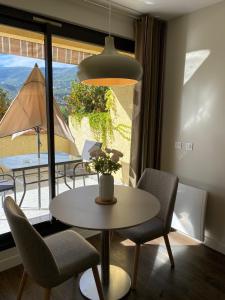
90 114
23 125
43 130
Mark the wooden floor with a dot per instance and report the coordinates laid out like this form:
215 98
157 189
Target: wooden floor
199 273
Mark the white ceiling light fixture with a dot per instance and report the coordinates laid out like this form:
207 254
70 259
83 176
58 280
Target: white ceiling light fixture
110 68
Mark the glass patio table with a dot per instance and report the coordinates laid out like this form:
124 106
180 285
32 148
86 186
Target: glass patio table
78 208
23 163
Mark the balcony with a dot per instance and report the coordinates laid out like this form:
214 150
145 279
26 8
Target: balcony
20 50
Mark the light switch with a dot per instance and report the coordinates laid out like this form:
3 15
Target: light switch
178 145
189 146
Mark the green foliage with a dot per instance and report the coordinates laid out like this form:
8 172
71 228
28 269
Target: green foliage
97 104
101 126
105 165
106 162
88 99
65 112
124 130
4 102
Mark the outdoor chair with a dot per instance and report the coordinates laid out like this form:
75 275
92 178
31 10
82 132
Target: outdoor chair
163 186
53 260
80 169
7 183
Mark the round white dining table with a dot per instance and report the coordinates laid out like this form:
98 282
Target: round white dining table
77 207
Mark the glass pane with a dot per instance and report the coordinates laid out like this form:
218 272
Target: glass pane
23 136
92 114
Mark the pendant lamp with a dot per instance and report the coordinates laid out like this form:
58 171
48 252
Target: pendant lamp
109 68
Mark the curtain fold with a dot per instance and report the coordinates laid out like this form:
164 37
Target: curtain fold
150 41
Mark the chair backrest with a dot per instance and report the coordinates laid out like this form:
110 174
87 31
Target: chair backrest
88 147
35 255
163 186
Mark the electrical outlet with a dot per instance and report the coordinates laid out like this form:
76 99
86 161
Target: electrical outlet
189 146
178 145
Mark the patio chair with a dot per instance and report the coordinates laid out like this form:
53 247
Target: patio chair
80 169
7 183
163 186
53 260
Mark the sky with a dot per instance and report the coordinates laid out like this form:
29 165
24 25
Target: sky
21 61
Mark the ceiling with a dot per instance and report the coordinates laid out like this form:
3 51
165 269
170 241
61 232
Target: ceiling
166 9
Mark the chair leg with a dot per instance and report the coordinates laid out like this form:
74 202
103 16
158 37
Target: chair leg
22 285
14 192
167 242
135 267
98 282
47 294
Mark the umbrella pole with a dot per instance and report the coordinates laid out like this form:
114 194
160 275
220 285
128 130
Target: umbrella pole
37 129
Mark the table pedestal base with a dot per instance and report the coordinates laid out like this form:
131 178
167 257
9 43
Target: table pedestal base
119 284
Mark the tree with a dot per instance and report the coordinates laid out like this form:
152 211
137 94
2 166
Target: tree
95 103
4 102
89 99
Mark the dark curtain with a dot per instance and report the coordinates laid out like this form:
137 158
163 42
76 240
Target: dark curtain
150 40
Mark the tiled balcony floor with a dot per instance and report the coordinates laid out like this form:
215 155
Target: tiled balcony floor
30 203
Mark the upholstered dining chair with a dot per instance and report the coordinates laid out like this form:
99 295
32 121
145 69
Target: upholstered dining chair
52 260
163 186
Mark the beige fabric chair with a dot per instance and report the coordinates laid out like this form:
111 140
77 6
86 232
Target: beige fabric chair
53 260
164 186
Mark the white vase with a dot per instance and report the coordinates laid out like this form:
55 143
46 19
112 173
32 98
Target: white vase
106 187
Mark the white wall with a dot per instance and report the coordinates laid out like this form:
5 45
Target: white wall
194 110
77 12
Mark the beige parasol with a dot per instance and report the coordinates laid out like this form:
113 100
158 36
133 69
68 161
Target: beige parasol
28 110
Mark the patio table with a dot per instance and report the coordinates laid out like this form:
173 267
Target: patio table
23 163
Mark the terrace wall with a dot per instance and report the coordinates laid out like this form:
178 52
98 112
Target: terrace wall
28 144
124 108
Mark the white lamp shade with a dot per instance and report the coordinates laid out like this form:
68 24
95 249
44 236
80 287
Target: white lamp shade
109 68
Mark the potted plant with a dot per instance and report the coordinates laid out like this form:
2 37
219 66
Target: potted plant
106 162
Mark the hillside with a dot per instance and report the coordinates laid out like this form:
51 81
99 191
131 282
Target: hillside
12 78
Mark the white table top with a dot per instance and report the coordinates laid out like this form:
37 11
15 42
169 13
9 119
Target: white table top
78 208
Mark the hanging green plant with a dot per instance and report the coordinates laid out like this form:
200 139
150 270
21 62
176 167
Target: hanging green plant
97 104
102 127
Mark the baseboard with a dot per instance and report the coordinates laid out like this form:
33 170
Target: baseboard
215 244
10 258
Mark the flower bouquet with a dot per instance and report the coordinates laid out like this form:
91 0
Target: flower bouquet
106 162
